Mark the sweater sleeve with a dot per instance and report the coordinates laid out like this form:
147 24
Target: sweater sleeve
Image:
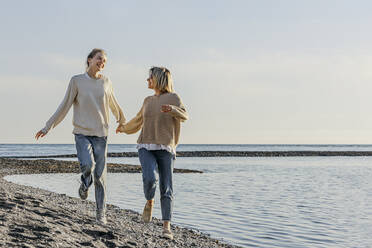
63 108
178 110
134 125
115 107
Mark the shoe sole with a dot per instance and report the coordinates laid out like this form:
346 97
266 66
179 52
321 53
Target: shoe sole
83 197
83 194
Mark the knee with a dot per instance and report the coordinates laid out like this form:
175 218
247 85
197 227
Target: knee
86 166
98 174
149 181
167 193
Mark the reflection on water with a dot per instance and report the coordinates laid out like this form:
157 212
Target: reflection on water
255 202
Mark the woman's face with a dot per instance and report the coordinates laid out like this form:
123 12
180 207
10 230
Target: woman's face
97 63
150 82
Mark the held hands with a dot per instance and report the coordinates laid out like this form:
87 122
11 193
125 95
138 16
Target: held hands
39 134
165 108
119 128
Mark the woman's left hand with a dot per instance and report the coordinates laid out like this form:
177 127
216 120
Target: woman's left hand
166 108
118 129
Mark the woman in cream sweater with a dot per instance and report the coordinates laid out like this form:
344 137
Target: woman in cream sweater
159 121
92 97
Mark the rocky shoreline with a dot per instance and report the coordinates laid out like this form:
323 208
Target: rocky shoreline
31 217
58 166
226 154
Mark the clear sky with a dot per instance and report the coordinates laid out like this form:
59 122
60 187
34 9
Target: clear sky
249 72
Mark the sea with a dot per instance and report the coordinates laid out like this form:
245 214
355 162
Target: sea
246 201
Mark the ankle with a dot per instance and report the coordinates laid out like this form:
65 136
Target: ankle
150 202
166 225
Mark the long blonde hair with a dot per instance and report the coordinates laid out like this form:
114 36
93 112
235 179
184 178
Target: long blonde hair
162 79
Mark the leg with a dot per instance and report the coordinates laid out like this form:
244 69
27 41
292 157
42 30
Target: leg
149 168
99 145
165 163
85 157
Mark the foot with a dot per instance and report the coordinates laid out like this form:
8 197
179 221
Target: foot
101 217
167 234
147 211
83 191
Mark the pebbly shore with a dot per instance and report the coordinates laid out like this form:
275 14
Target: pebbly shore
31 217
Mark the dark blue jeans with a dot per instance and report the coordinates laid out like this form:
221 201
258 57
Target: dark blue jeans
92 152
159 162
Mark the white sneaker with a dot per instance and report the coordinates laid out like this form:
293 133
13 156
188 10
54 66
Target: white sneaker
101 217
167 234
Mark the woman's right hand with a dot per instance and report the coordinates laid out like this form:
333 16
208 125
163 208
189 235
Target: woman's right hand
39 134
166 108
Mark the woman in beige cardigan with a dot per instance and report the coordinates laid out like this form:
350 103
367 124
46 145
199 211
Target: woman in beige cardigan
159 120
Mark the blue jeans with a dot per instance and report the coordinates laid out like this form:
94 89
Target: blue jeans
160 161
91 153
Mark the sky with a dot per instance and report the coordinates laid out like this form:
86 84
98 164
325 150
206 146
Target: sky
248 72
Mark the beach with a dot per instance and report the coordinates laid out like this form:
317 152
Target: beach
278 200
31 217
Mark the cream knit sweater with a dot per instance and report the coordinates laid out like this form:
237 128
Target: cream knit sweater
92 99
158 127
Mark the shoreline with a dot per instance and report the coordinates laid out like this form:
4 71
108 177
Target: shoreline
32 217
61 166
222 154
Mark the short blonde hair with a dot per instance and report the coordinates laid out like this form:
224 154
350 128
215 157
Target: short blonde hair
162 79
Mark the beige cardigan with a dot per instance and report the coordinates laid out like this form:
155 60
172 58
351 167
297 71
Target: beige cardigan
158 127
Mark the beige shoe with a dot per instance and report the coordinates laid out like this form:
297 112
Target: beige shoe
167 234
147 212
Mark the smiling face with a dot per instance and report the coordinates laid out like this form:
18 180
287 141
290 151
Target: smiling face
97 63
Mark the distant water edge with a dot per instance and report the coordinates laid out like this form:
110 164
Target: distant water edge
114 150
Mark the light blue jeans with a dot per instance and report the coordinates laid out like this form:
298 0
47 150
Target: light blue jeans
160 161
92 153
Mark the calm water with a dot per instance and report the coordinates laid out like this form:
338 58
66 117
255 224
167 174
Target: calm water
255 202
58 149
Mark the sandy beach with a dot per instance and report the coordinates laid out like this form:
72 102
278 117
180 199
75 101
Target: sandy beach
31 217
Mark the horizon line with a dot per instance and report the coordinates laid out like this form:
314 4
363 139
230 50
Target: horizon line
259 144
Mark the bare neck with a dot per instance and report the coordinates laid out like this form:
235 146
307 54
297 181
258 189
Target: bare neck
93 73
157 92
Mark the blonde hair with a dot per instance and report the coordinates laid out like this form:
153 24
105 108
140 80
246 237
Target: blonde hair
93 53
162 79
